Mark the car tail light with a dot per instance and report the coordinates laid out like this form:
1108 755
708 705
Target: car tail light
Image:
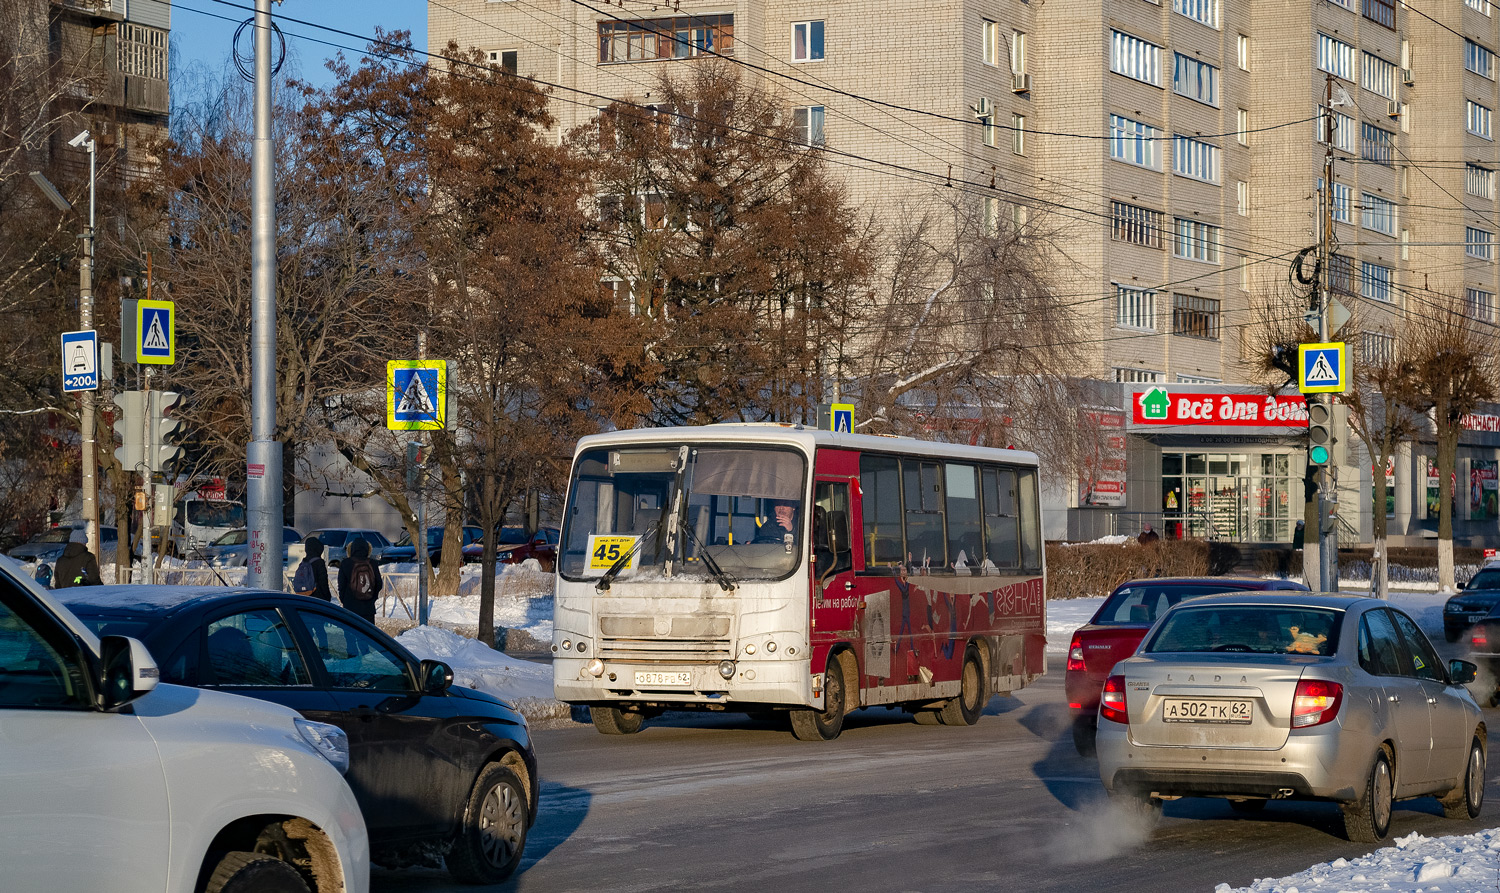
1112 700
1075 655
1315 702
1481 636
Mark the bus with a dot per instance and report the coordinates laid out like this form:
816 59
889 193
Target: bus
770 568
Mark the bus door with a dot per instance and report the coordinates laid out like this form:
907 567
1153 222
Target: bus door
834 601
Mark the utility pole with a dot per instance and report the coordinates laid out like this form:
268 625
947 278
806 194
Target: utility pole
263 515
423 559
1327 480
86 409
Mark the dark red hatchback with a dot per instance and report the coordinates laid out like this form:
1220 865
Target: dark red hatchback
1118 627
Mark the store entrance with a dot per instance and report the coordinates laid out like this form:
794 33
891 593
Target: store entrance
1234 497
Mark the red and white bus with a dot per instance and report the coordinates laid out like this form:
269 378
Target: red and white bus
779 568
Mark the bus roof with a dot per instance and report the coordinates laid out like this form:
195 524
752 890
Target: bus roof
808 439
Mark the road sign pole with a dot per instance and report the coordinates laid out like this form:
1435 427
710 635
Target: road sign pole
423 560
148 516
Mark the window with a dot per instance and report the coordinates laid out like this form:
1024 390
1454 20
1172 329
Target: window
1377 348
1197 379
922 492
1242 197
1341 201
1135 308
1001 516
1479 181
1195 316
506 60
1195 158
1335 57
41 663
1195 79
808 122
1242 127
989 47
1196 241
1479 243
1347 4
143 51
1341 275
1135 58
1480 6
1375 281
1205 11
1478 59
880 482
807 41
1018 52
254 649
1377 213
1479 119
1343 130
1381 12
1375 144
984 110
1379 76
354 660
1480 304
1132 223
991 216
1018 134
1242 47
1133 142
1133 375
682 37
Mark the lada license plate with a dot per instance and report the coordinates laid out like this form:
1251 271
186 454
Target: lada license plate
653 678
1218 710
1475 618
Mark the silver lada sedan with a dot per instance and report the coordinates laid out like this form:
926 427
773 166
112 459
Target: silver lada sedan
1256 696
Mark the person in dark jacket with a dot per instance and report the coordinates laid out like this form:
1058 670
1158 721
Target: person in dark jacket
358 559
76 567
313 548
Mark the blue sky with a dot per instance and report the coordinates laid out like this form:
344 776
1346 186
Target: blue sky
203 30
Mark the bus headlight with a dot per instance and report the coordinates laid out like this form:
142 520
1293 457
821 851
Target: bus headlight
750 649
567 644
770 647
595 667
726 669
582 647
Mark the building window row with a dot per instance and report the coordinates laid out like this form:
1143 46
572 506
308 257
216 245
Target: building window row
1132 223
1375 281
1126 374
1480 304
680 37
1479 243
1381 12
1376 144
1480 6
1377 348
1343 129
1478 119
1478 59
1378 76
1479 181
807 121
992 44
1134 142
1336 57
142 51
1342 194
1377 214
807 41
1195 316
1135 308
1205 11
1195 240
1135 58
1195 79
1195 158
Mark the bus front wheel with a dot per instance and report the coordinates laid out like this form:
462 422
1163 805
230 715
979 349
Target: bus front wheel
614 721
825 724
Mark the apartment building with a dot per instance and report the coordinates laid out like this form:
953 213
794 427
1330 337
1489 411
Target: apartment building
1181 142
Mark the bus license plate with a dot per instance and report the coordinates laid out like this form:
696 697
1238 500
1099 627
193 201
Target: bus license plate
1214 710
653 679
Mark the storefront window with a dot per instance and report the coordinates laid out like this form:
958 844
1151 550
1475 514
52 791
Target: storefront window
1236 497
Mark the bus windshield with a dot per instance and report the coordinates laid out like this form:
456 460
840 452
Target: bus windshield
206 513
742 507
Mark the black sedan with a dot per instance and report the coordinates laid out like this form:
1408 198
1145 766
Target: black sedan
429 762
1468 607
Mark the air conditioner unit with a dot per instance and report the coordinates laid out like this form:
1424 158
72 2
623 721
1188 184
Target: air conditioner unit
1407 77
1393 108
1020 83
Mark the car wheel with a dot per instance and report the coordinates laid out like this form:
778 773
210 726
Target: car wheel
1140 808
825 724
488 846
240 872
973 694
1085 729
1368 819
1464 801
614 721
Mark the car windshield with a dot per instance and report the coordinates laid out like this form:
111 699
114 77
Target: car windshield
59 535
232 538
203 513
741 510
1488 578
1259 629
1146 602
331 537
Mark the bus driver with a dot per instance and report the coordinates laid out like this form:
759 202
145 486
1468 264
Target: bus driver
781 526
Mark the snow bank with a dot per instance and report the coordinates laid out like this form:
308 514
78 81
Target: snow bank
525 684
1436 865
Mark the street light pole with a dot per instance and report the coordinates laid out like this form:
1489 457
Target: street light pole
86 400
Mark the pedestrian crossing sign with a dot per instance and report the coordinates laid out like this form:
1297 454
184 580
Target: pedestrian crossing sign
416 395
155 333
1323 368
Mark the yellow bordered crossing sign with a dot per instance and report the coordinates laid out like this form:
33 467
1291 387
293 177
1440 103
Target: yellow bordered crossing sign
416 395
1323 368
155 332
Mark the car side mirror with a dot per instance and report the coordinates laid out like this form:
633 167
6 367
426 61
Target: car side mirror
436 676
126 672
1461 672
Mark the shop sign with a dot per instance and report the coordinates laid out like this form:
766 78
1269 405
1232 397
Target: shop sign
1158 406
1102 478
1476 421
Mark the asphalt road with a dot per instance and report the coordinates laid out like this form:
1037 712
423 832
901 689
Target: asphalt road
726 803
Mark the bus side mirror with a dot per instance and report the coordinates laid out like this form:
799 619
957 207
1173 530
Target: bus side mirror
838 532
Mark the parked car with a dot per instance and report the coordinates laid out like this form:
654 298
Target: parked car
514 547
49 546
336 542
1256 696
233 548
1115 630
113 782
428 761
404 552
1473 604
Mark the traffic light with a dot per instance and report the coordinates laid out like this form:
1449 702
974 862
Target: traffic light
130 415
162 404
1327 432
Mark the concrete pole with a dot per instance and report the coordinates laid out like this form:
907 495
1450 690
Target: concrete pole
422 556
263 516
86 399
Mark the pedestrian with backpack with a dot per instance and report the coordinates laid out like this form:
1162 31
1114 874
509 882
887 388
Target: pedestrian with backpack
312 574
359 580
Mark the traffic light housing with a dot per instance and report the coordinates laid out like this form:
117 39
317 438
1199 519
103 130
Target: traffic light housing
162 405
130 415
1327 436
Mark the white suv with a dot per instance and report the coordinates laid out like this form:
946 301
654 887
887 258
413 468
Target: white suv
115 783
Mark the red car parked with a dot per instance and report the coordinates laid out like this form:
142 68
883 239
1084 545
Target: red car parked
1118 627
515 547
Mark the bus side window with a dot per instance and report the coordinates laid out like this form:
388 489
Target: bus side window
830 513
961 486
1001 527
880 485
1031 533
925 537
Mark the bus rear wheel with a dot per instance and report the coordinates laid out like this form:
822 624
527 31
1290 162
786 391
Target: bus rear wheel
825 724
973 694
614 721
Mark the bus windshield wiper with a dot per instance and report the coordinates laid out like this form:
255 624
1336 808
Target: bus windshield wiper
725 581
619 565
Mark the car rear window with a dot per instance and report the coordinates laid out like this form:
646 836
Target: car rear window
1143 604
1489 578
1259 629
332 537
